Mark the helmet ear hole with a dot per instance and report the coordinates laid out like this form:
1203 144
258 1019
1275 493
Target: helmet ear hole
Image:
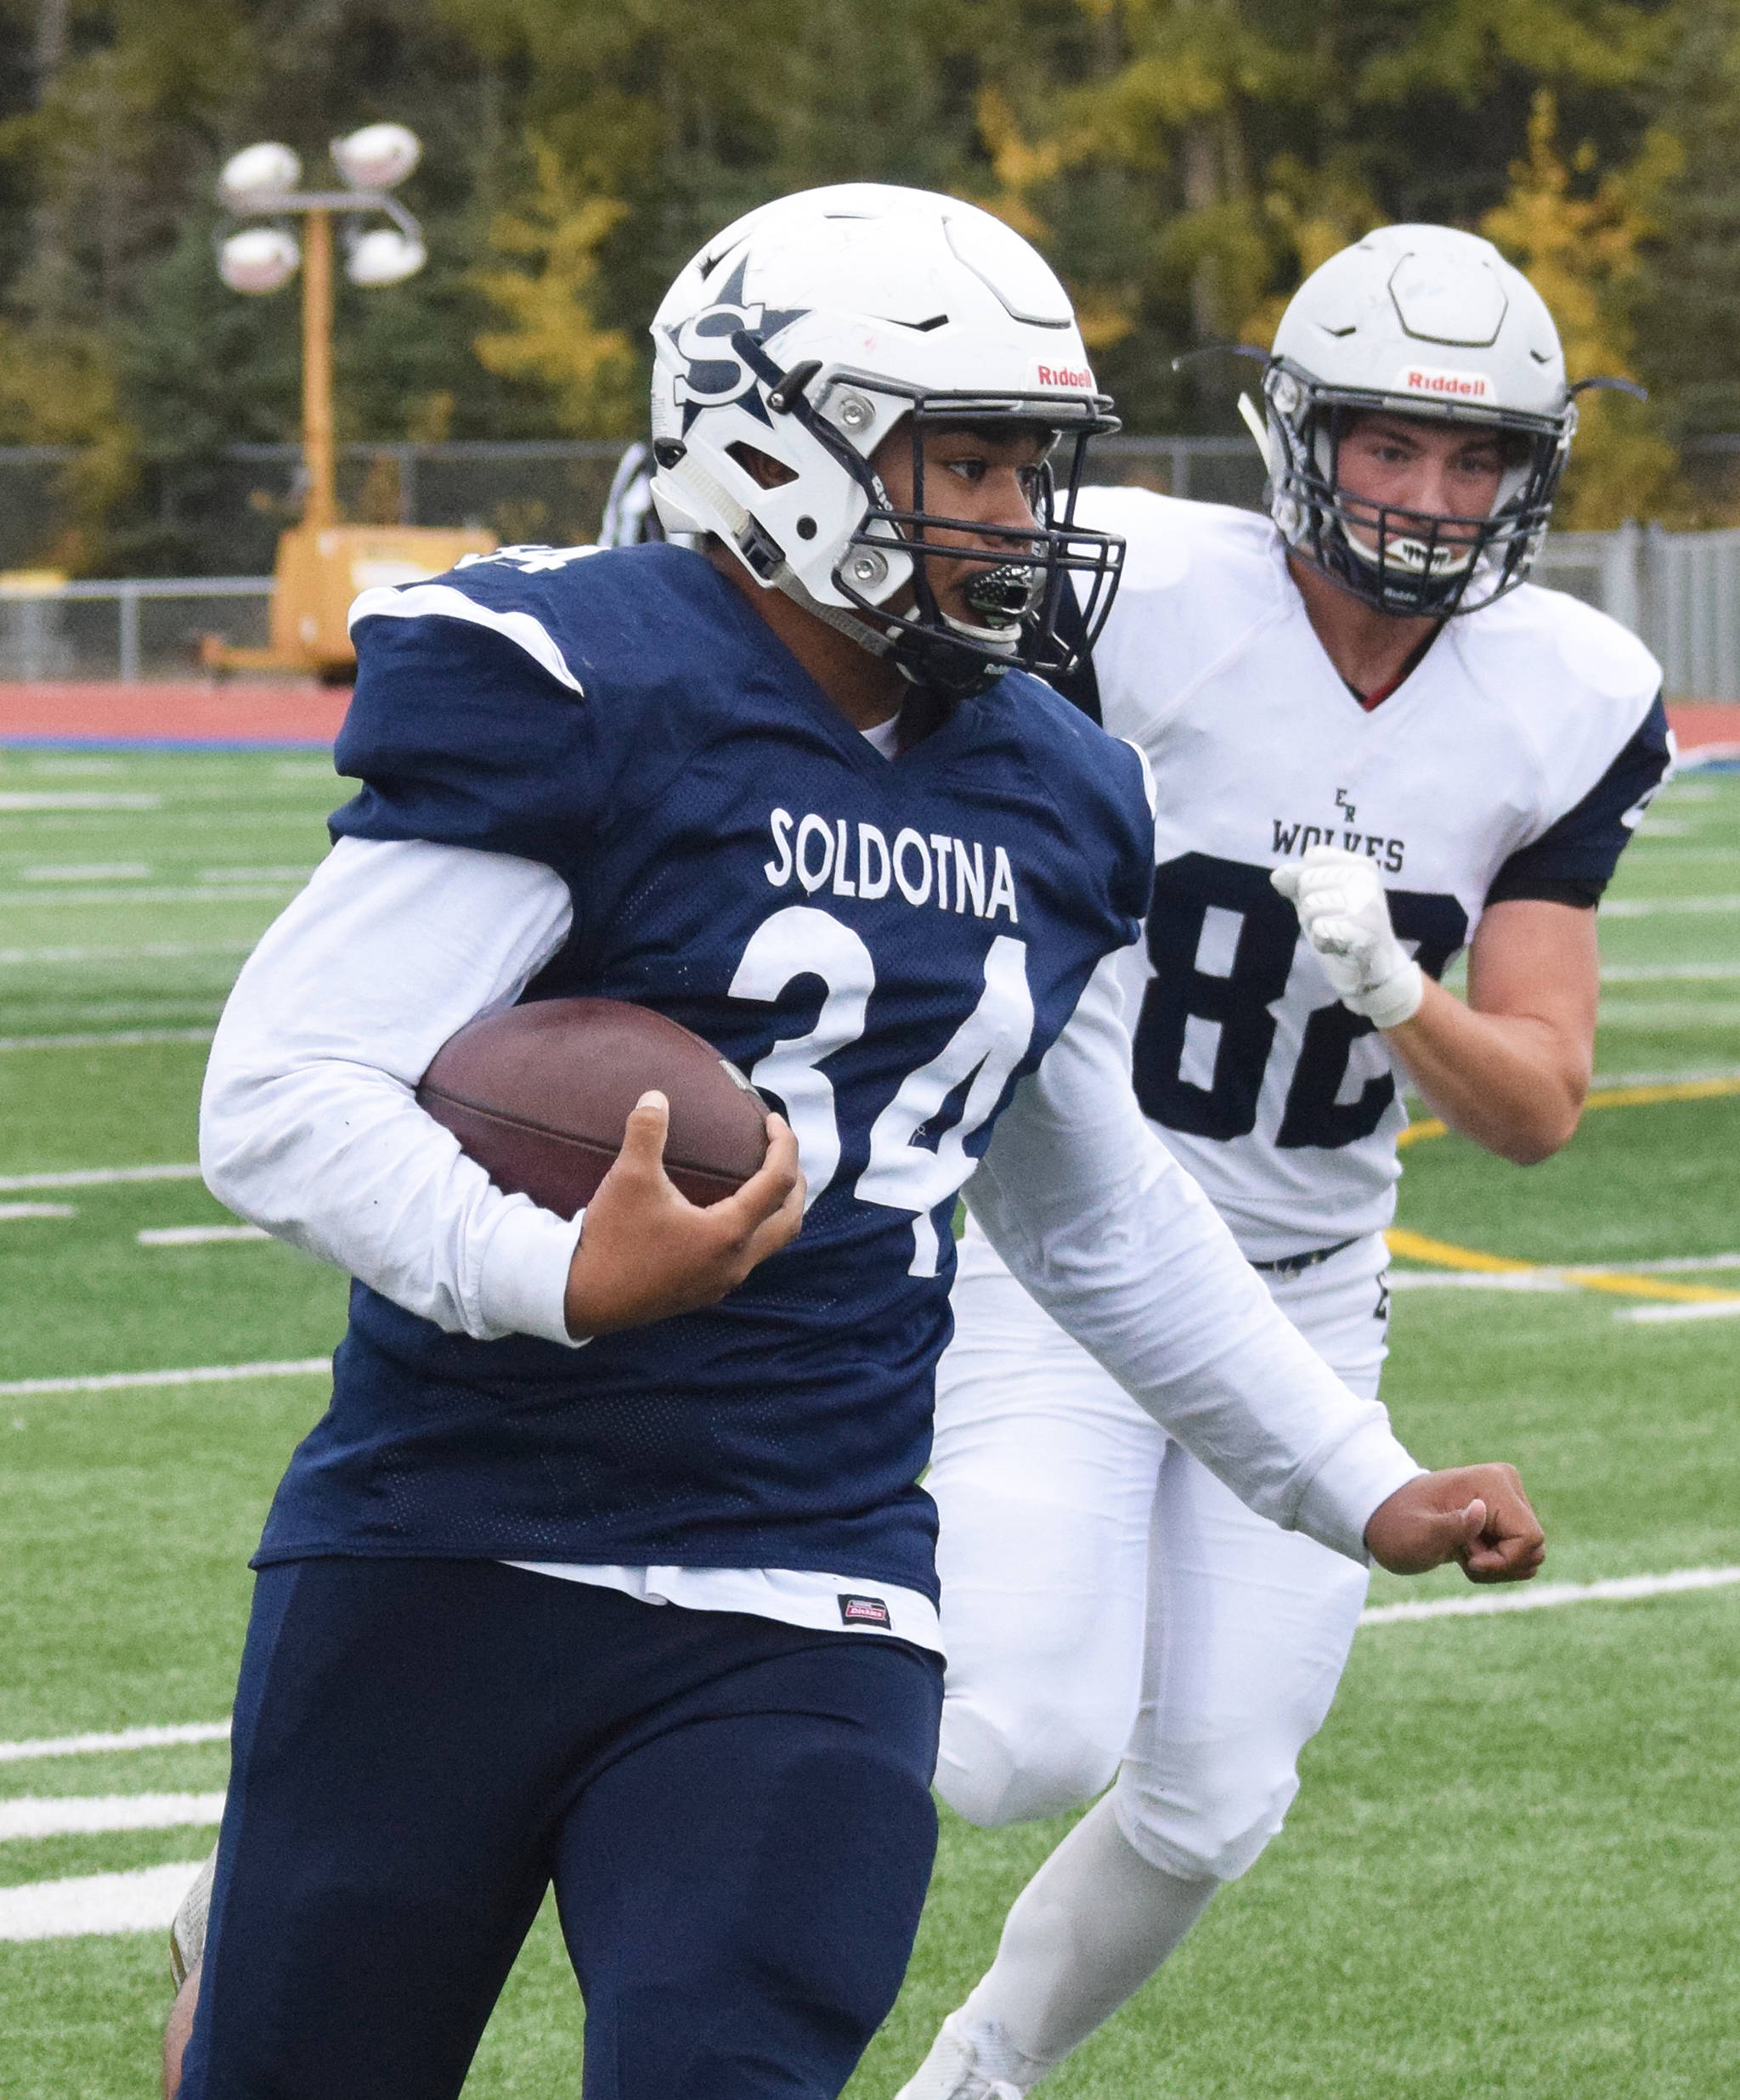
761 467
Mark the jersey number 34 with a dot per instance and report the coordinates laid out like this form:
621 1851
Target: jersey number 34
1238 1003
903 1172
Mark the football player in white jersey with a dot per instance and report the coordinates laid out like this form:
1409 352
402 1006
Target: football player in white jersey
1374 745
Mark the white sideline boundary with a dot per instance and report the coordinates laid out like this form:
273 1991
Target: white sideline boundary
1545 1596
200 1375
67 1816
118 1739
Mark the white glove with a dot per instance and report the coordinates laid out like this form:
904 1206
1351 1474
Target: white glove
1346 917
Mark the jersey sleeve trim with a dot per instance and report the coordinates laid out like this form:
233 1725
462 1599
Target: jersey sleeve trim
1573 860
416 602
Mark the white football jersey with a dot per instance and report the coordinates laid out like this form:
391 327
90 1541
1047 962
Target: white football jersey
1496 757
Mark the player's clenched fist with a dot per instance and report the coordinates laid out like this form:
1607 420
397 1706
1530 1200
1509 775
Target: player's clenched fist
1346 917
1477 1514
646 1252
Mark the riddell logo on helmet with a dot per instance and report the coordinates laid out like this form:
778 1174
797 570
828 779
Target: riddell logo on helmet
1422 379
1064 375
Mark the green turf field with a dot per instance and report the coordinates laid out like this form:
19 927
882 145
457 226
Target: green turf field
1513 1869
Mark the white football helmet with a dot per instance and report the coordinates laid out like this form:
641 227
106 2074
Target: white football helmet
809 330
1417 320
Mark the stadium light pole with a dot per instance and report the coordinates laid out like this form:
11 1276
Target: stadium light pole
321 564
320 503
261 183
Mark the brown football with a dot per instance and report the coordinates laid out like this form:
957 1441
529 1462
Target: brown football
540 1095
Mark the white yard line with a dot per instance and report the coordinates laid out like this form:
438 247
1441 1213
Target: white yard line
276 874
75 798
1679 1264
1666 973
193 1235
1654 1315
90 872
1562 1276
67 1815
11 1210
1478 1280
143 1901
1649 907
129 952
202 1375
119 1039
158 1738
97 1176
1648 852
209 893
1667 1014
1546 1596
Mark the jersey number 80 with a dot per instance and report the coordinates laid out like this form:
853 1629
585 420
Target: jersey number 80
1185 891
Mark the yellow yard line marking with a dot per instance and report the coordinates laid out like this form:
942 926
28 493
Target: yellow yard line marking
1603 1098
1440 1252
1443 1254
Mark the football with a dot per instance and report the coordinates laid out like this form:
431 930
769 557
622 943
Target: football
539 1096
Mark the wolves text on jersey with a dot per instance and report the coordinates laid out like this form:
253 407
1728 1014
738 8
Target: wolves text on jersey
1299 838
925 867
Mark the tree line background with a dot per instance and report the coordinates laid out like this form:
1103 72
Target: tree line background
1182 163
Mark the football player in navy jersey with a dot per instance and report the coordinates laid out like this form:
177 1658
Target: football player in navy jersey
1374 744
608 1566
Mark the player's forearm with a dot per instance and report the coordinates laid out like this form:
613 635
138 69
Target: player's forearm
308 1122
1513 1082
342 1163
1104 1228
1151 1284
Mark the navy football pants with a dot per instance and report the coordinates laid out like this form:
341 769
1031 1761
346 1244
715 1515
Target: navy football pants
736 1815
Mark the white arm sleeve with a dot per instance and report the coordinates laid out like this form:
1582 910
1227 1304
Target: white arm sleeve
1108 1232
308 1123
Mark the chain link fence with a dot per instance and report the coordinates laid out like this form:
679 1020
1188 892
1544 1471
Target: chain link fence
1680 590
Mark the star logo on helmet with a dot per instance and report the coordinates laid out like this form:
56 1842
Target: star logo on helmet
713 374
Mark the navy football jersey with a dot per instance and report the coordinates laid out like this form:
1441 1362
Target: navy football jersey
886 947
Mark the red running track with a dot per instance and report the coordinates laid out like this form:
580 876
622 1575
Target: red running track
296 715
308 716
1697 725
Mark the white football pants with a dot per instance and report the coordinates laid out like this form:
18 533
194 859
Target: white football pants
1109 1608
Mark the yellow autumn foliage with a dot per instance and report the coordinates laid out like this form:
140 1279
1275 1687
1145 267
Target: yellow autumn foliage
553 338
1579 247
58 387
